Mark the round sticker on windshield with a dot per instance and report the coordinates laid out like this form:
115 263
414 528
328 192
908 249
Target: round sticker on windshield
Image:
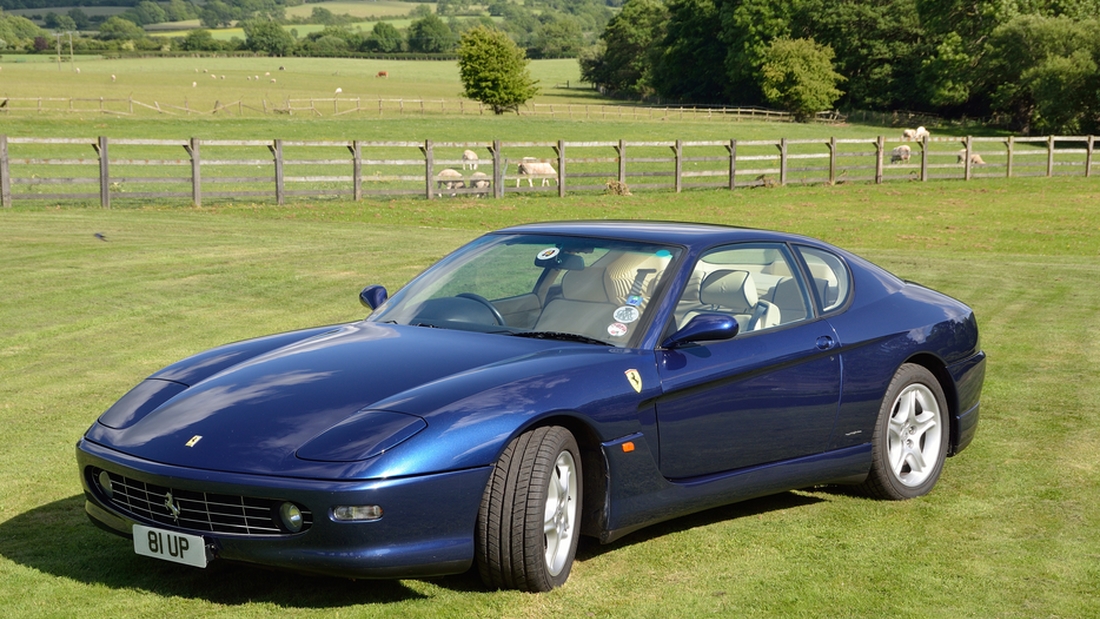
548 253
616 329
627 314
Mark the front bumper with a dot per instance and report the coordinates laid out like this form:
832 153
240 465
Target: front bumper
427 526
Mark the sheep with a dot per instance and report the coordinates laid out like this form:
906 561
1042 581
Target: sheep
469 160
272 80
113 78
339 90
194 84
909 134
480 180
78 70
901 153
531 167
449 179
922 133
975 158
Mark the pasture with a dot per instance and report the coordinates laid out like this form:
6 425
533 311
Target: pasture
1011 530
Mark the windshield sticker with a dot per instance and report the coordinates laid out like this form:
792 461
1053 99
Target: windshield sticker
634 299
616 329
548 253
627 314
664 253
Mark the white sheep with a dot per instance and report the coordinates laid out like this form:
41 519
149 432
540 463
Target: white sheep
469 160
449 179
922 133
901 153
480 180
339 90
531 167
909 134
975 158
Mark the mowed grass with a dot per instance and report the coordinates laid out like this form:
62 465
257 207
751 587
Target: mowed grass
1010 531
170 81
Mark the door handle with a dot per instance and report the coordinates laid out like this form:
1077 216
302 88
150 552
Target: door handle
826 342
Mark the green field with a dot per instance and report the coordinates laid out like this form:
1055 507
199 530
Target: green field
1011 531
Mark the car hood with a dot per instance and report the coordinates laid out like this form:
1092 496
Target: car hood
345 394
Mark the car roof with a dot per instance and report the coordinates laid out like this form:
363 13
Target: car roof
680 233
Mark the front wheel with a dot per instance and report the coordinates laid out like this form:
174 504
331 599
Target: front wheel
528 524
910 442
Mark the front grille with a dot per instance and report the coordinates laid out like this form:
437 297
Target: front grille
201 512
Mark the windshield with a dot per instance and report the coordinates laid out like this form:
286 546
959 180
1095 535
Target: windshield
573 288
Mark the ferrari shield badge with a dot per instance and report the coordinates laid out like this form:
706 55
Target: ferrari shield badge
194 439
635 380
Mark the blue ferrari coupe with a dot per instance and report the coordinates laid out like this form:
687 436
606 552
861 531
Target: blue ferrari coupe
540 383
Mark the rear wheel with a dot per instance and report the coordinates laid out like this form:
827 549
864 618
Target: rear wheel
910 442
528 524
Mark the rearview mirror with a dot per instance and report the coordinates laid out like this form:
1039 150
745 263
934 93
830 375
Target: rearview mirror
373 296
704 328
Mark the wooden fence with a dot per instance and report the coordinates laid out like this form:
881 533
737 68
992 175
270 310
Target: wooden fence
61 169
377 106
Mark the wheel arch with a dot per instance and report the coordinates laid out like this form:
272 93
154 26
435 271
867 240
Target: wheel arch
938 368
594 470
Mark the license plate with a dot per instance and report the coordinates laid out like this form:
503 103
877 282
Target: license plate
170 546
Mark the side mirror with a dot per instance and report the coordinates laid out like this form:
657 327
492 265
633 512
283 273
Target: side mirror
373 296
704 328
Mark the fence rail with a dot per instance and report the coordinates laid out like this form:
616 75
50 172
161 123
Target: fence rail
378 106
67 169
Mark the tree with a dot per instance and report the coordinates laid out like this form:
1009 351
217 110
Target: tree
494 70
430 35
198 40
262 35
691 56
559 36
385 38
798 75
625 65
117 28
80 18
217 13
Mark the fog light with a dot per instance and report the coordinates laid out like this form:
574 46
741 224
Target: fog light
105 484
292 517
356 513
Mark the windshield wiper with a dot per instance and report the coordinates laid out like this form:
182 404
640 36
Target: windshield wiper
560 336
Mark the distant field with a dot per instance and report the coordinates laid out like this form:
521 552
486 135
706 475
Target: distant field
381 8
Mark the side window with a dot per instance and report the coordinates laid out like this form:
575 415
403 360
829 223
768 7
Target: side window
754 283
830 277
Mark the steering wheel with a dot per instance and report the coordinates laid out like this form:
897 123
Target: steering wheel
482 300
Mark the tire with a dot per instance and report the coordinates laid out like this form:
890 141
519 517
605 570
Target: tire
528 525
911 436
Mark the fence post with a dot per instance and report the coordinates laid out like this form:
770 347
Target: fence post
196 171
498 170
1088 155
1050 156
1010 144
966 167
277 150
104 172
560 148
732 148
621 148
832 160
678 150
429 164
880 148
5 180
783 161
356 170
924 158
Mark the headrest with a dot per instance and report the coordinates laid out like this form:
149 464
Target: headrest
731 289
587 285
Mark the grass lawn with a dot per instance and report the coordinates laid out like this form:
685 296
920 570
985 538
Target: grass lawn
1010 531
